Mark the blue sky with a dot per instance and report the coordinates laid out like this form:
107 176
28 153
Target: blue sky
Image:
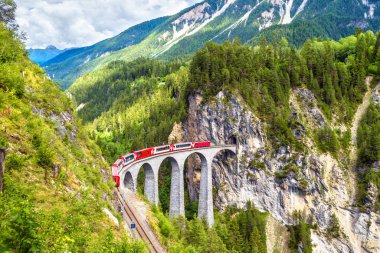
74 23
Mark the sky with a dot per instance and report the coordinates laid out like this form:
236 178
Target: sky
77 23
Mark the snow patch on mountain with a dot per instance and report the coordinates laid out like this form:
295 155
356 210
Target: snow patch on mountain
371 12
286 17
266 19
241 20
88 58
194 15
164 36
191 25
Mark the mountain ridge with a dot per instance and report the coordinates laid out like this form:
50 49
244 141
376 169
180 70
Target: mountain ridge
42 55
218 20
74 57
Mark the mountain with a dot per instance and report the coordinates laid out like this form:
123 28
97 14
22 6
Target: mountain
62 67
40 56
307 125
55 189
218 20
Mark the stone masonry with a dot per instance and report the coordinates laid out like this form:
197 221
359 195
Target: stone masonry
151 167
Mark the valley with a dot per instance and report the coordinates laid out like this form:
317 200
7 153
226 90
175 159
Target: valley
274 106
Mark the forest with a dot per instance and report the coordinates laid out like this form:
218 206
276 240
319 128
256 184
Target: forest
119 120
127 106
235 230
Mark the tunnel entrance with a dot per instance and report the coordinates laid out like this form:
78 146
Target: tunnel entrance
232 140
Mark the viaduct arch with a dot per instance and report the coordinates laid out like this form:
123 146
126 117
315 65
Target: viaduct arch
151 166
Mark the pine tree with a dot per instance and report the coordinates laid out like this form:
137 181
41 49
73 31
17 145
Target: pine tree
236 241
377 60
196 234
254 241
376 47
213 243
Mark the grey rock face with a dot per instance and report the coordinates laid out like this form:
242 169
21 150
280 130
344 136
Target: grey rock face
309 102
314 184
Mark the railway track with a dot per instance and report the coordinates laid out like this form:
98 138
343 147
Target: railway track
143 230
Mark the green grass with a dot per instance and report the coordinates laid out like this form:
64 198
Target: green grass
54 190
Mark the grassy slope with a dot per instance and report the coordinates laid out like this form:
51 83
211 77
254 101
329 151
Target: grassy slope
54 190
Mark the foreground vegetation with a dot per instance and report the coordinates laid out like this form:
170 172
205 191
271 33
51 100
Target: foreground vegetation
53 196
234 230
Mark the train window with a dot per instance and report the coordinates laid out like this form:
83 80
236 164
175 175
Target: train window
162 148
183 145
129 158
120 163
139 154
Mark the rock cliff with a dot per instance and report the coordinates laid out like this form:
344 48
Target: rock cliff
280 180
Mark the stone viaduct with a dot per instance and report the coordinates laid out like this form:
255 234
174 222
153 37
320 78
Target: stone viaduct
151 165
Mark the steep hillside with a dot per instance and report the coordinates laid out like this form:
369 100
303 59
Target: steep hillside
124 97
66 67
218 20
291 112
56 185
40 56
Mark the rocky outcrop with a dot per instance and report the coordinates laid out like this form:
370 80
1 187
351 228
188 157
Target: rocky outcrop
176 135
309 110
64 122
280 181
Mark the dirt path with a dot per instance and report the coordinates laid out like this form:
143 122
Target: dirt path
358 116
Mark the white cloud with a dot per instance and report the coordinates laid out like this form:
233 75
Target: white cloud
74 23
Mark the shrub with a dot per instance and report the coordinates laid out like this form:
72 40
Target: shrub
300 234
3 142
303 184
45 155
14 162
333 230
326 140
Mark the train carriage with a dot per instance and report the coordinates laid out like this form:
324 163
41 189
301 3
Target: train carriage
145 153
202 144
162 149
183 146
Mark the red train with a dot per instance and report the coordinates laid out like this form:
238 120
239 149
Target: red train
145 153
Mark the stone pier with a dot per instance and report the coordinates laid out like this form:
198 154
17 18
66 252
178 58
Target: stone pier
177 159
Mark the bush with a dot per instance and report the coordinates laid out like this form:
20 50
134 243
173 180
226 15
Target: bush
346 139
303 184
14 162
11 79
333 230
3 142
327 141
45 155
300 234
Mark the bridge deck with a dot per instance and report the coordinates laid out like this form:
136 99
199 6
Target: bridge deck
178 151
